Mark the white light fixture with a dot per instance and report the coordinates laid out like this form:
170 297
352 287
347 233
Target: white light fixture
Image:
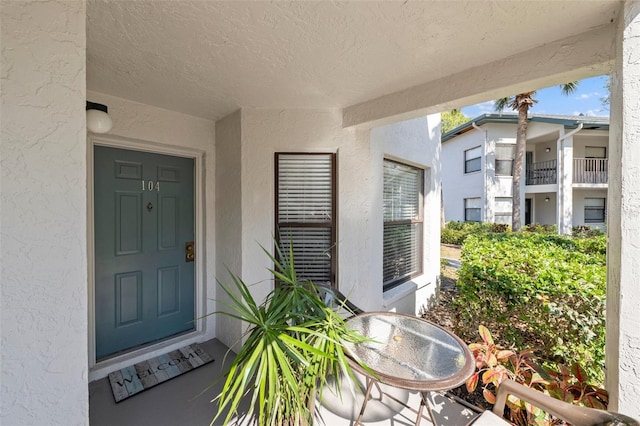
546 200
547 149
98 120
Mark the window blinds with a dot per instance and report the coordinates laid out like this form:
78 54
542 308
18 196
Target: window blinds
305 205
402 214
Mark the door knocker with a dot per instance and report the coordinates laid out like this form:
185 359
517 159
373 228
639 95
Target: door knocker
149 206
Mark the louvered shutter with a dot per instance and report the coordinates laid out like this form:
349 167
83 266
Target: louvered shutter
305 213
402 238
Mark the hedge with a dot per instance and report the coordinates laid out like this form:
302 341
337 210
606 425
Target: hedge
546 289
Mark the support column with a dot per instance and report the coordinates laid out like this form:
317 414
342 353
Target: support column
623 224
565 185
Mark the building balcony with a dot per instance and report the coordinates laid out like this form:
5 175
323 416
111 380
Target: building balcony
543 173
585 171
591 170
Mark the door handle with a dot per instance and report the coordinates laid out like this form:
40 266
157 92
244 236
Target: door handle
189 251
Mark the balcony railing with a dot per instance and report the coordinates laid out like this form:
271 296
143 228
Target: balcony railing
543 173
590 170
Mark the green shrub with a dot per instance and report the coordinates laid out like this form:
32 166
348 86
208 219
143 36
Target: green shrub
541 229
546 288
456 226
452 236
457 232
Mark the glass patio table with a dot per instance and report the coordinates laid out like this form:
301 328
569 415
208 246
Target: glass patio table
409 353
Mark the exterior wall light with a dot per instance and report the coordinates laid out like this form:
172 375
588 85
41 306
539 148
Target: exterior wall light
547 149
98 120
547 199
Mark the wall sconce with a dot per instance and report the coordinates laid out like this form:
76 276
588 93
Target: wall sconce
547 149
547 199
98 120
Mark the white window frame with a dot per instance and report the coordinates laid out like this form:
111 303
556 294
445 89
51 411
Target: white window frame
502 147
467 208
408 215
501 209
594 207
467 160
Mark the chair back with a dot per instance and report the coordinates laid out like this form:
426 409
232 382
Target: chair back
335 299
572 414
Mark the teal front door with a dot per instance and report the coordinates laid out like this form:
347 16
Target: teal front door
144 233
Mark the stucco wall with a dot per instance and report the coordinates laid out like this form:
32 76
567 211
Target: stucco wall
456 185
43 267
359 171
137 121
228 204
414 142
578 205
544 212
623 250
262 133
149 127
589 138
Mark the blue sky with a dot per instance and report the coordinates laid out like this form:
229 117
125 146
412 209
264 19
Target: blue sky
585 100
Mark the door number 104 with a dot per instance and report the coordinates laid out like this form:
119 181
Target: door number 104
149 185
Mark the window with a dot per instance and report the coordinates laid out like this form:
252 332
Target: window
472 208
595 152
595 158
503 210
472 160
305 213
594 210
504 159
402 199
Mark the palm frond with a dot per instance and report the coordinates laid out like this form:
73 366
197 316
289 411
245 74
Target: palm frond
569 88
502 103
293 344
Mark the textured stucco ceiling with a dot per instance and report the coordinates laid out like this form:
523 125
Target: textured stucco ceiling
208 58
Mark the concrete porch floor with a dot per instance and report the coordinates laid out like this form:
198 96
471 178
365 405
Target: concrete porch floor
185 401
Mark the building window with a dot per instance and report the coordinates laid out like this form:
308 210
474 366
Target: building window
595 159
305 213
594 210
402 202
504 159
472 160
472 208
503 210
595 152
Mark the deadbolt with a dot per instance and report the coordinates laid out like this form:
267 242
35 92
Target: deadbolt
189 251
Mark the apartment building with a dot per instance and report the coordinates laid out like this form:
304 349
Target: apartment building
566 170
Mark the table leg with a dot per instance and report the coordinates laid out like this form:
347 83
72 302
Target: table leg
424 401
367 394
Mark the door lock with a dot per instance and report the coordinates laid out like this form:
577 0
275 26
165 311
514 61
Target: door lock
189 251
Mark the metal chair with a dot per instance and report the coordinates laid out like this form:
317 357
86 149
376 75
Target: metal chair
335 299
572 414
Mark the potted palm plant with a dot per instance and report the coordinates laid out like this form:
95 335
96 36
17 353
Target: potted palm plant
292 346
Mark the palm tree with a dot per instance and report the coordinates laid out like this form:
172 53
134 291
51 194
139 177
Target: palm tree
522 103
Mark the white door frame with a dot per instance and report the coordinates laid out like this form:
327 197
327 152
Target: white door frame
100 369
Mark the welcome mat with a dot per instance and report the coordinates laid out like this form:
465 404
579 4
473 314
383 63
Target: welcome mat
146 374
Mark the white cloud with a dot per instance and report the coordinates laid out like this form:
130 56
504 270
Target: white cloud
589 95
486 106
